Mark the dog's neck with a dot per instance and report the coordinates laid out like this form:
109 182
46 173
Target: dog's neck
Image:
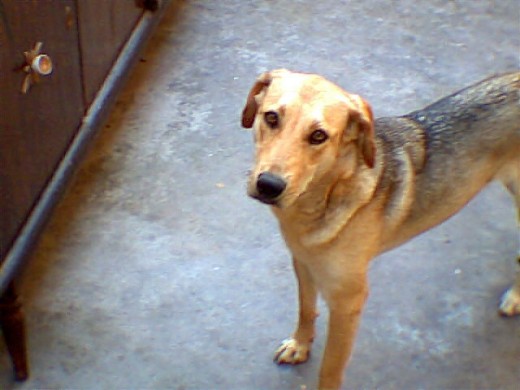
319 215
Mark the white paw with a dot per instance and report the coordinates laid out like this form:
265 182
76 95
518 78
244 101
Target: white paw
292 352
510 304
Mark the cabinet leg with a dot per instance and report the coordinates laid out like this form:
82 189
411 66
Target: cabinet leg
13 327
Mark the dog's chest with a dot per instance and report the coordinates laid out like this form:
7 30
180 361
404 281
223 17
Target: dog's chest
348 244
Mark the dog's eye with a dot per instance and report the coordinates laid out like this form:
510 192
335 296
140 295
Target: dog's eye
318 137
271 118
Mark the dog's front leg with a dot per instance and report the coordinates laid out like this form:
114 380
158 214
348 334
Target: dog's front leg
345 308
297 348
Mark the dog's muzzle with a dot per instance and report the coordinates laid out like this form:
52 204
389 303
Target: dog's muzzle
269 187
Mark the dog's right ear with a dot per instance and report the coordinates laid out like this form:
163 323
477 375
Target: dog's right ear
361 115
251 107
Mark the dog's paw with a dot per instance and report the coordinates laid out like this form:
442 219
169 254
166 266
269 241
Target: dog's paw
510 304
292 352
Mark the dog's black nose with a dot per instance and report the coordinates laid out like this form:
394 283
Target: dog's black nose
270 186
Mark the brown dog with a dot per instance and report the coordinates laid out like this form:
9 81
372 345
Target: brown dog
346 188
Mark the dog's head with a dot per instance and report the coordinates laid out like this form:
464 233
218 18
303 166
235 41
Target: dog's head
305 127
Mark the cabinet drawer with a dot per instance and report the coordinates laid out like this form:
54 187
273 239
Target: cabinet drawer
36 127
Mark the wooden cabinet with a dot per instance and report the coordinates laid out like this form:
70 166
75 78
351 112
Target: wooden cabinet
101 41
36 127
44 130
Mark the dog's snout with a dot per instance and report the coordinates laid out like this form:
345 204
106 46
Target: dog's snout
270 186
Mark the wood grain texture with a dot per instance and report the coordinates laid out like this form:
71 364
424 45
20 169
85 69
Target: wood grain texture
35 128
104 27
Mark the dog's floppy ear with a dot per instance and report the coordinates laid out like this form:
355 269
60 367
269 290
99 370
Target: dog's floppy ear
249 112
361 115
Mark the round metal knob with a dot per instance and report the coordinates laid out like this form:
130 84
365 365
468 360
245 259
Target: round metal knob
42 64
36 65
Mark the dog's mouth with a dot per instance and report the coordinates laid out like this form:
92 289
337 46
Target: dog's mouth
264 200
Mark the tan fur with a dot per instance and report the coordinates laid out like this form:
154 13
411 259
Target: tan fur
370 186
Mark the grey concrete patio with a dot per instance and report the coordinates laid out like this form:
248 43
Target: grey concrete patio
158 272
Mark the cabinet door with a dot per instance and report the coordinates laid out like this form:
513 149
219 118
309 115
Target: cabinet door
37 127
104 27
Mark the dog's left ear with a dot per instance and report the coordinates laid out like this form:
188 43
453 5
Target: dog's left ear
249 112
362 116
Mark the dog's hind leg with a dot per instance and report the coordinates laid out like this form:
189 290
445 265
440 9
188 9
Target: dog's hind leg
510 176
296 349
510 303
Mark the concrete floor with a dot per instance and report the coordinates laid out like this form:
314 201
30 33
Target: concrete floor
158 272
